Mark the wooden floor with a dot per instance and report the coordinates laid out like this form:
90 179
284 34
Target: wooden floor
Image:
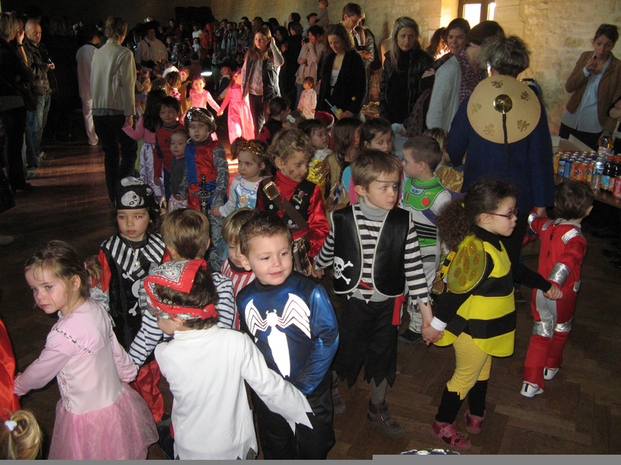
580 412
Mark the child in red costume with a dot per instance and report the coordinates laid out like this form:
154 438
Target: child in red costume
562 250
205 158
294 198
170 112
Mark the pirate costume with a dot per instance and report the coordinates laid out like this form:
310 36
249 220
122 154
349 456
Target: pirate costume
124 264
300 204
376 258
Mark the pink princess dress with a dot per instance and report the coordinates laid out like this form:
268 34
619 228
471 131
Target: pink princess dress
98 415
240 118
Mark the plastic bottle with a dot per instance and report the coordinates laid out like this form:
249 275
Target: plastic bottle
598 171
605 141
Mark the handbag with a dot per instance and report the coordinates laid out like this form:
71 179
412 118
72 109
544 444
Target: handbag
23 90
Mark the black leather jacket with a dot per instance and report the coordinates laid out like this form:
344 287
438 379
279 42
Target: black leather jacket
420 61
13 71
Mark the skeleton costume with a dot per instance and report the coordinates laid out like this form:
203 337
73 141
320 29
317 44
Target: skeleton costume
124 264
562 250
295 328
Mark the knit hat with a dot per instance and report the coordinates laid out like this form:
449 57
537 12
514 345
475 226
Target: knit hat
133 193
178 276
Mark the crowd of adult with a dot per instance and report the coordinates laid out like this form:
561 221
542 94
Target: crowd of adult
417 88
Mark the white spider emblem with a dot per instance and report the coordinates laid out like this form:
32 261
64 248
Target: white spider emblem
339 266
296 313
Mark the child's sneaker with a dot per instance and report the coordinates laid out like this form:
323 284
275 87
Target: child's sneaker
450 434
409 337
530 389
380 417
473 422
549 373
337 402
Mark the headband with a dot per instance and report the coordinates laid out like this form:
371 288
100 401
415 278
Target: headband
249 146
10 424
180 277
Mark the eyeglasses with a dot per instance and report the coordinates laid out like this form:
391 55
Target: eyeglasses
512 214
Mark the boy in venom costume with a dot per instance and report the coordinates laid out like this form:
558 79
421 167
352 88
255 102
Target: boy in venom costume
562 250
291 320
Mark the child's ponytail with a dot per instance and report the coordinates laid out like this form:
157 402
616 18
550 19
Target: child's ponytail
458 218
453 224
20 437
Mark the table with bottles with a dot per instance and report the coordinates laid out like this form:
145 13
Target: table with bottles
602 170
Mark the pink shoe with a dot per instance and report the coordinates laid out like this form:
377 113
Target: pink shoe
473 423
450 434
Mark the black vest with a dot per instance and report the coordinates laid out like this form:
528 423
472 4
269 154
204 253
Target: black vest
300 200
389 255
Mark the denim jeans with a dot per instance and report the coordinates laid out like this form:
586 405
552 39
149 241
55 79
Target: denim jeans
35 123
118 163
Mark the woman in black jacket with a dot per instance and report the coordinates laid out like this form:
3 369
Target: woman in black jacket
343 75
404 65
14 76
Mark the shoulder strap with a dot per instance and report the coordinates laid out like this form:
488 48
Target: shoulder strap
273 193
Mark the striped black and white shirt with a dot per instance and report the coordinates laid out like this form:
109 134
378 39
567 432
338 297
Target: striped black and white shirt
369 221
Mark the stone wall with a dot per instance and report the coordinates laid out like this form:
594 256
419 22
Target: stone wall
557 31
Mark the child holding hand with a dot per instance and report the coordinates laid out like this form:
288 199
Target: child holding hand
291 319
563 247
239 119
99 416
374 249
145 130
199 96
477 316
424 195
206 368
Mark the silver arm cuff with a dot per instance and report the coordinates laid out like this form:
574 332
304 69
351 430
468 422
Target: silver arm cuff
559 274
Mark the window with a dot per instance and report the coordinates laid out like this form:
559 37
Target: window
476 11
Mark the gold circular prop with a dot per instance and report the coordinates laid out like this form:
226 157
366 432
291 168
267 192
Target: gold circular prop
468 266
503 94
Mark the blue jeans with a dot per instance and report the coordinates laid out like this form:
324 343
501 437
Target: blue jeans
35 122
110 132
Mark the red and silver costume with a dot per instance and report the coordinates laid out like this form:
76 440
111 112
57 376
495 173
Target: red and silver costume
562 250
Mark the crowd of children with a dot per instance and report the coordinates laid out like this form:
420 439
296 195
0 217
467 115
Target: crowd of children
226 290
